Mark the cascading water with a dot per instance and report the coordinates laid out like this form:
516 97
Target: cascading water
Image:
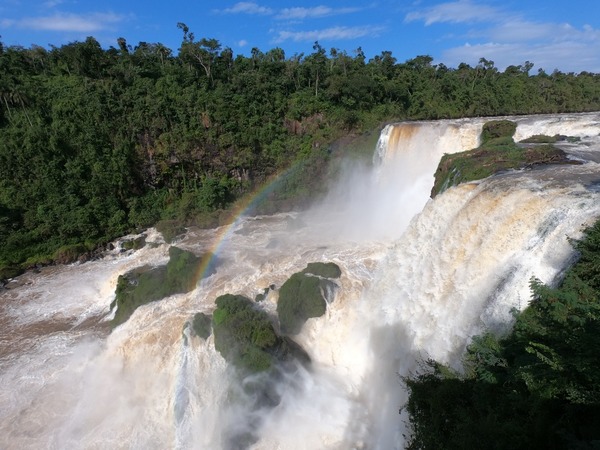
419 277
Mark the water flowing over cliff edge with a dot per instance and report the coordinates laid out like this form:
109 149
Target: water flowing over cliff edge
419 277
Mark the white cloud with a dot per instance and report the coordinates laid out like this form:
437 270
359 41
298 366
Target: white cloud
70 22
569 56
243 43
316 12
455 12
248 8
334 33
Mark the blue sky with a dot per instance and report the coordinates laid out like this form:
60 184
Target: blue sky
553 34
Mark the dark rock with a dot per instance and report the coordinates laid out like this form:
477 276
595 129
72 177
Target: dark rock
202 325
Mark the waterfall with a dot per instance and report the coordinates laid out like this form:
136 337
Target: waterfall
419 278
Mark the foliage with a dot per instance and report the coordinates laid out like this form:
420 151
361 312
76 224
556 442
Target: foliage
96 143
538 387
148 284
497 129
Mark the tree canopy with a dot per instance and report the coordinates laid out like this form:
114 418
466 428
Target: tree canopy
97 142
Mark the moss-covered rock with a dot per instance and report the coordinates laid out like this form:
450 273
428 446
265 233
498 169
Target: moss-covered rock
134 244
202 325
147 284
540 139
245 337
496 129
303 296
325 270
69 253
498 152
545 139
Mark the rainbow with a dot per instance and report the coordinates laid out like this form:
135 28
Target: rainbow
236 215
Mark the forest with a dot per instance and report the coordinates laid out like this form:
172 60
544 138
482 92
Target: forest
96 143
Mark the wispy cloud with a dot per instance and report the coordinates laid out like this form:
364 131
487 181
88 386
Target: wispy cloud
248 8
334 33
53 3
67 22
522 30
461 11
301 13
547 55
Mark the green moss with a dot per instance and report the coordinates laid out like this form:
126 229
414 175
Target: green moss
300 298
147 284
245 336
497 128
540 139
497 153
544 139
325 270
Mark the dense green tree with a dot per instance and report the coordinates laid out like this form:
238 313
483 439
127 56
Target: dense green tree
95 142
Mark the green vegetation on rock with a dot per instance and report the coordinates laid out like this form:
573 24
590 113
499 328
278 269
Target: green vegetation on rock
540 139
498 152
302 296
325 270
545 139
535 388
134 244
202 325
495 129
245 337
147 284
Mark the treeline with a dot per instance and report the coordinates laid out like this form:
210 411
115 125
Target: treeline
536 388
97 142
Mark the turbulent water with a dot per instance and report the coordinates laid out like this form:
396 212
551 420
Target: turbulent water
419 278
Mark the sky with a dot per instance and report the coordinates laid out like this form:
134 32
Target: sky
552 34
